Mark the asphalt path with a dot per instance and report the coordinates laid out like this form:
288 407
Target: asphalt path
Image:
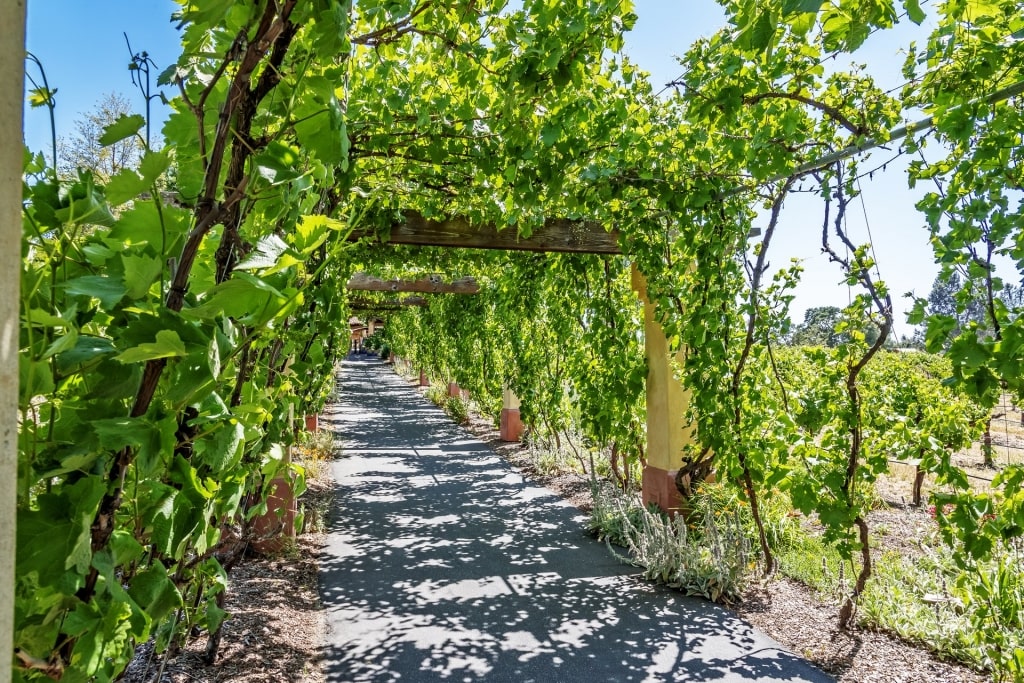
444 564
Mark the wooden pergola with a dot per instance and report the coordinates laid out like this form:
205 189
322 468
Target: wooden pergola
667 399
556 235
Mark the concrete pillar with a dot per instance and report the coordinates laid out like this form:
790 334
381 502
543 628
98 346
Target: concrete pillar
510 424
12 102
667 402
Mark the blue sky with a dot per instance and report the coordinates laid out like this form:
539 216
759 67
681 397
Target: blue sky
82 47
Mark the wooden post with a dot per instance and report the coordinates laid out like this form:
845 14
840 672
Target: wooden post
12 102
667 402
510 423
918 484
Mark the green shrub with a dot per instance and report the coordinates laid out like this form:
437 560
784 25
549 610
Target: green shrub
436 394
457 409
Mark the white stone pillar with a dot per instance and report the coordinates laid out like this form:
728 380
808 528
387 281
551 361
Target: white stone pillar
12 102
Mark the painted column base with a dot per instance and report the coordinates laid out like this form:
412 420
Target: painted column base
312 423
424 382
453 389
659 487
277 525
511 426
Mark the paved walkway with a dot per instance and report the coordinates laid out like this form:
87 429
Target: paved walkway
443 564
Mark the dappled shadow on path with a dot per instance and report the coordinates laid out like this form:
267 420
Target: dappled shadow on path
444 564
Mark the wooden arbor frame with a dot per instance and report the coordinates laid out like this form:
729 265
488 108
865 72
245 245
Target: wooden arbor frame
667 399
557 234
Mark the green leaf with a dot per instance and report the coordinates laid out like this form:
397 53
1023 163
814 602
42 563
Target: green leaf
244 297
142 225
121 432
108 290
310 232
549 134
324 132
125 185
223 449
61 344
800 6
758 36
140 271
968 351
153 165
268 250
125 126
214 616
86 206
56 536
185 474
167 345
40 318
41 97
154 591
914 11
120 381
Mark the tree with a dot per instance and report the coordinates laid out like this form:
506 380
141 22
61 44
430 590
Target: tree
1012 297
84 150
962 302
818 328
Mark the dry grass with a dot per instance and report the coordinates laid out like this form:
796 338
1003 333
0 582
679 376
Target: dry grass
1007 432
314 452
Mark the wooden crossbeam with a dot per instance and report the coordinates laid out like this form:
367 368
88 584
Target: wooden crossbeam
431 284
557 234
359 304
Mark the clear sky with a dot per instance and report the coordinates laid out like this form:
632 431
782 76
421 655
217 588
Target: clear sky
82 47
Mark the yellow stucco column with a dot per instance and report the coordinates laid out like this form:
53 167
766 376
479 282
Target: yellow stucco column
12 81
667 402
510 426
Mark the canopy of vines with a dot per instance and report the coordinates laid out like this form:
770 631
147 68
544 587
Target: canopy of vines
175 315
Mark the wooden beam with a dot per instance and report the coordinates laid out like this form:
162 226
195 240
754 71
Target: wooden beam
431 284
557 234
386 304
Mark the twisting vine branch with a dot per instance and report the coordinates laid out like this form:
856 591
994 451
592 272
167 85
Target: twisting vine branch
756 271
826 109
857 267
